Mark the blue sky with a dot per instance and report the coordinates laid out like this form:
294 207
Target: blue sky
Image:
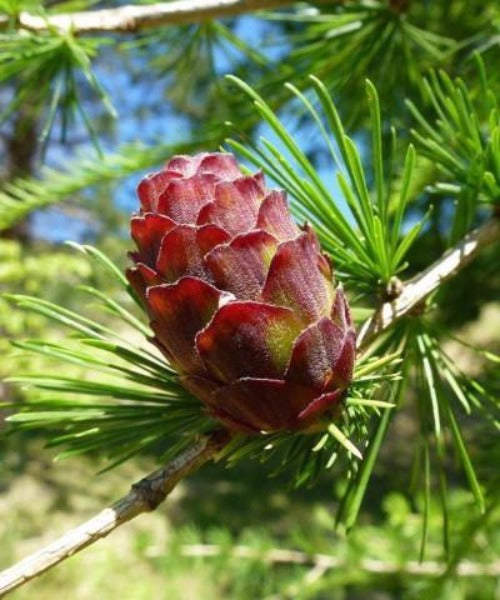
142 96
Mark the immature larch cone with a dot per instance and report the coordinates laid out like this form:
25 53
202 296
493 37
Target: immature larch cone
241 300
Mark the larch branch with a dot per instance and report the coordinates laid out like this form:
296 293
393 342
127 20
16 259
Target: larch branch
415 290
143 496
135 17
147 494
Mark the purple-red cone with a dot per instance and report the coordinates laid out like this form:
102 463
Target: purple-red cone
241 300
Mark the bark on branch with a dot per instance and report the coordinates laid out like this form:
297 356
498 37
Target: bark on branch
415 290
135 17
144 496
147 494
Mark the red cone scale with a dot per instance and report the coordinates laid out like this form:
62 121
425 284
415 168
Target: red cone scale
241 300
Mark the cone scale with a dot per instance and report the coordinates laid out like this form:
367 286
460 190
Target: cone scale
241 300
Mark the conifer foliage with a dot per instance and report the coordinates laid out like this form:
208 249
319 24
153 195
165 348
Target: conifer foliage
335 181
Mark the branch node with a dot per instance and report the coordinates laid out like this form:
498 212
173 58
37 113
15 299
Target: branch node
149 493
152 490
393 289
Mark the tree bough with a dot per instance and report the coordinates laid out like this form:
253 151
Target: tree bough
151 491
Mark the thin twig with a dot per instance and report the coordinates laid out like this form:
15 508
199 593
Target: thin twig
326 561
135 17
143 496
414 291
152 490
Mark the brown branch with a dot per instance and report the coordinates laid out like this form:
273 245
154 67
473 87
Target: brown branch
144 496
135 17
147 494
414 291
327 562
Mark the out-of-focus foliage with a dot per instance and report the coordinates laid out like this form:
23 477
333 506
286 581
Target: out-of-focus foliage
46 69
47 273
